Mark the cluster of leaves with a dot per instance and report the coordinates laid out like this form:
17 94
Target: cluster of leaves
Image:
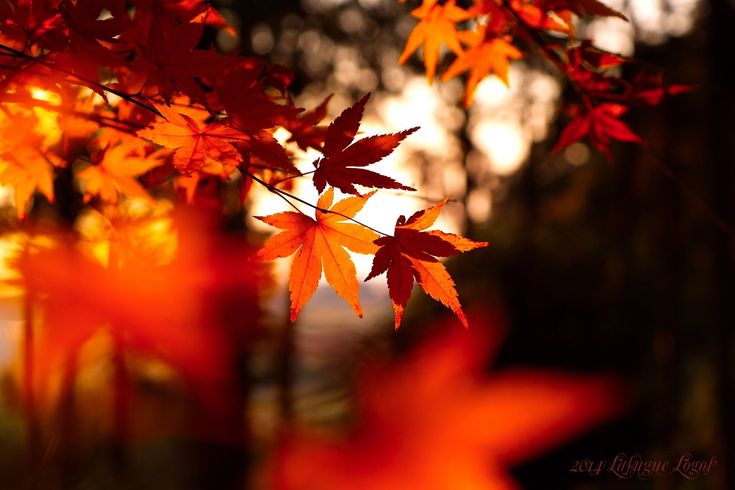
154 302
495 29
124 94
126 99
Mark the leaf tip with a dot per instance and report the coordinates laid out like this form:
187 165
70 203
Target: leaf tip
398 309
462 318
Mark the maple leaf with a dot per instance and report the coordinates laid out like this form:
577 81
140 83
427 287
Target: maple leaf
85 28
435 421
650 88
207 148
199 11
247 102
115 174
586 66
341 152
211 17
501 17
83 16
251 110
74 126
411 254
485 56
165 309
599 125
25 163
583 8
305 130
590 55
437 26
28 172
168 61
321 244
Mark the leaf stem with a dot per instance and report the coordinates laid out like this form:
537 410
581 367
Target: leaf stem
291 177
287 195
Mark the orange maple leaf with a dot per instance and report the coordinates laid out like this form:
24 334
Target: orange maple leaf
207 148
485 56
25 162
321 243
410 254
115 174
437 26
435 421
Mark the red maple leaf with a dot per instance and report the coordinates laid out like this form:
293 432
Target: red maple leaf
251 110
411 253
169 61
583 8
599 125
501 18
305 129
650 88
84 17
342 154
586 66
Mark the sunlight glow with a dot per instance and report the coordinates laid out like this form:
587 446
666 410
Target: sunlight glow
577 153
492 91
479 205
504 145
6 196
261 39
651 21
612 34
47 120
45 95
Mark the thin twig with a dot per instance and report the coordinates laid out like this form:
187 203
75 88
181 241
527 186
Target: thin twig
83 80
295 176
288 195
